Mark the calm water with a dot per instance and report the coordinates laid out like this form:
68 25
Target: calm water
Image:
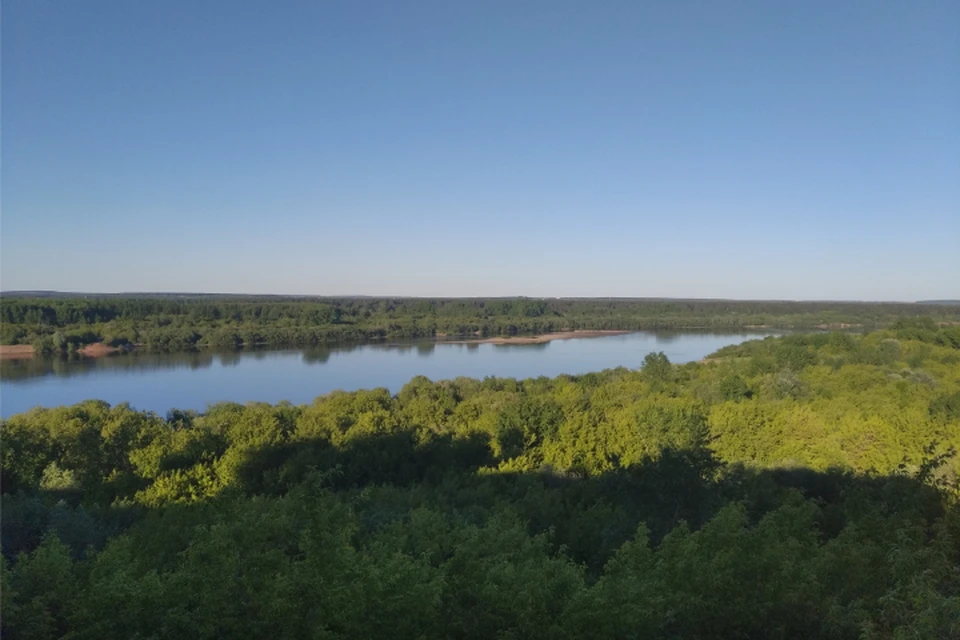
159 382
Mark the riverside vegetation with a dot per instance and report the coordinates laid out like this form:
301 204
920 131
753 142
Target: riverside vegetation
64 324
794 487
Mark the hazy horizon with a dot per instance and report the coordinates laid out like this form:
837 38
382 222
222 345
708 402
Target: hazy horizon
133 293
426 149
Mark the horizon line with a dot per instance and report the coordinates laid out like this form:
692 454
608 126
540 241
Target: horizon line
56 293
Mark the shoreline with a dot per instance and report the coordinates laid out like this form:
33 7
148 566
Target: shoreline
98 349
25 351
16 351
544 337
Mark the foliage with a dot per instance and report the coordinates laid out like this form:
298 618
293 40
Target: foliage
170 322
796 487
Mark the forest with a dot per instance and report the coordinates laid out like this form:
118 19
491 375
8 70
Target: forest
182 322
801 487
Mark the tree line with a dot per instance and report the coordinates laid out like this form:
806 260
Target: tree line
60 325
794 487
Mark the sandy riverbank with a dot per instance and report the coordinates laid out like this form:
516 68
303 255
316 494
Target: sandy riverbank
543 337
15 351
97 349
21 351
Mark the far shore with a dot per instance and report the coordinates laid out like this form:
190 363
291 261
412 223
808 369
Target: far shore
543 337
99 349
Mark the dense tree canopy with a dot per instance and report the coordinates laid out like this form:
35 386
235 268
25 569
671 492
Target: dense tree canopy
54 324
794 487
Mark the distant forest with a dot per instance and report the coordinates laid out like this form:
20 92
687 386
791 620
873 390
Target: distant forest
62 324
788 488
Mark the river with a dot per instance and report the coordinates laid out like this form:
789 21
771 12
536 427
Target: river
193 380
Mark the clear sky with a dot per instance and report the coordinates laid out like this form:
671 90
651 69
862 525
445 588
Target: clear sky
743 149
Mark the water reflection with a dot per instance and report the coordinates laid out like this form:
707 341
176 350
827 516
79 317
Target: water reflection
526 346
14 370
667 337
192 379
316 355
230 358
19 370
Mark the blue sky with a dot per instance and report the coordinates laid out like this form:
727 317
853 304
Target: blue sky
806 150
